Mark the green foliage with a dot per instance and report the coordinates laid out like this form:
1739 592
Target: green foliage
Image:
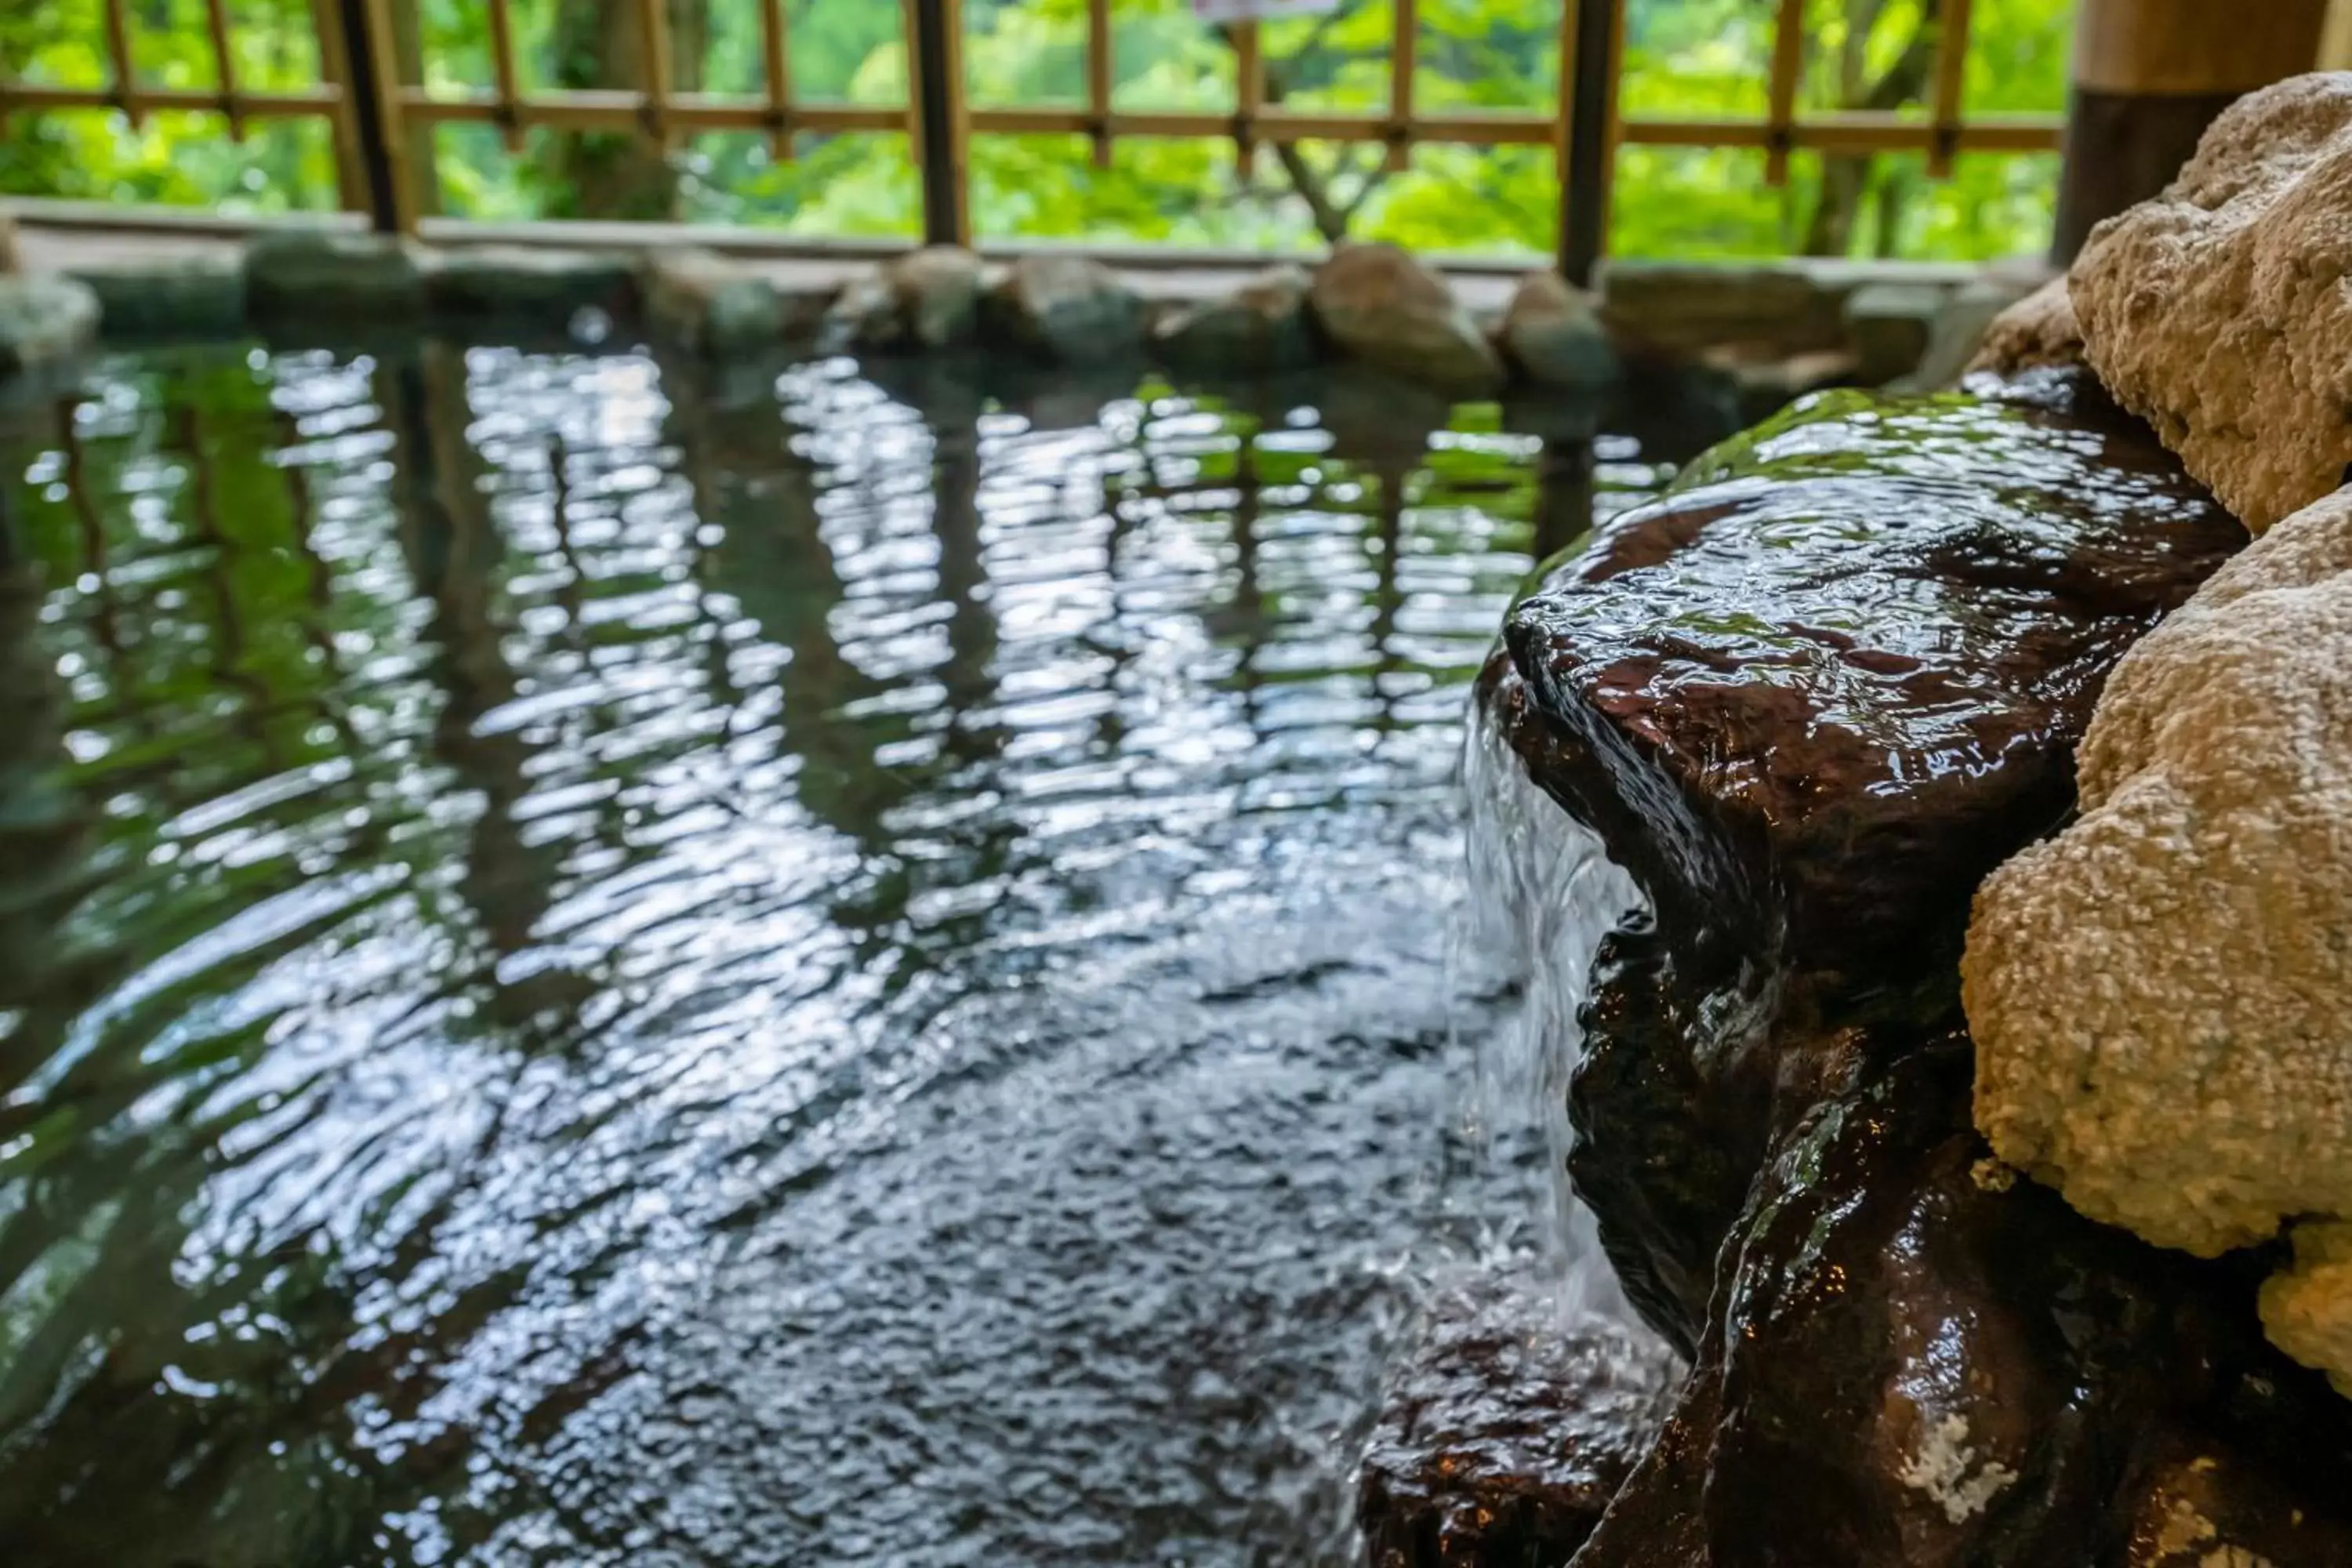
1685 60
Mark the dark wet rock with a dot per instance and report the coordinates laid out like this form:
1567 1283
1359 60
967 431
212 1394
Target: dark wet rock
1379 305
1507 1432
337 276
191 297
1062 309
47 322
926 299
1260 328
1553 337
530 284
1809 699
1920 1361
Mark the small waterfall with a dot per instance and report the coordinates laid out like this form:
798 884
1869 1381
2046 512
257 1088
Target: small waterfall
1542 894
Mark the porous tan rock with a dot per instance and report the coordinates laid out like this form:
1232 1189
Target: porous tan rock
2037 331
2307 1309
2158 994
2219 311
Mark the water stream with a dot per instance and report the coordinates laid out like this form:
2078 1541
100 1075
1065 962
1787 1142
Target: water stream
597 970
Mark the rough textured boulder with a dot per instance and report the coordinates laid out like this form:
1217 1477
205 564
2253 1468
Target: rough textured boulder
1066 309
2158 992
1379 305
45 321
707 304
1552 336
1259 328
2308 1307
340 277
2037 331
1507 1432
11 260
2218 309
927 300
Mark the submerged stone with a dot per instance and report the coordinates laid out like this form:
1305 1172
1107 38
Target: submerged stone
1507 1432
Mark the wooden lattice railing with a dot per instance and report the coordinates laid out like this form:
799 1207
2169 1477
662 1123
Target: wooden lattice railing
371 114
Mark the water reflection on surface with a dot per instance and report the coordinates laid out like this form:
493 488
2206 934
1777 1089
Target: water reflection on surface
598 969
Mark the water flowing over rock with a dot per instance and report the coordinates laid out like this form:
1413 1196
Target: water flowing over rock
1808 700
2218 309
1508 1432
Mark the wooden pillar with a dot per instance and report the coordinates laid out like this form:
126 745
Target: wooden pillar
2149 76
935 45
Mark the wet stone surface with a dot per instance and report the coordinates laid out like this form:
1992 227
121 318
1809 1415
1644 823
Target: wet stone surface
1809 697
1511 1424
1806 698
606 969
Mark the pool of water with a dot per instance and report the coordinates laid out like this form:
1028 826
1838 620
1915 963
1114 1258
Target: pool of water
597 968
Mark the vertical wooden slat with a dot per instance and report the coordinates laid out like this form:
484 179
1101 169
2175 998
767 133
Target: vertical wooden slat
1403 56
335 71
1099 78
373 54
225 62
776 62
126 76
1951 81
938 118
1787 65
654 70
502 68
1249 92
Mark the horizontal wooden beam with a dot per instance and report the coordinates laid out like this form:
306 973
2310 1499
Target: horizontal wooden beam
592 110
21 96
618 110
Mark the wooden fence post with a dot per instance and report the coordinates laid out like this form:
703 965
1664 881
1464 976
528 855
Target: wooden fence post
2149 76
935 50
1590 141
371 81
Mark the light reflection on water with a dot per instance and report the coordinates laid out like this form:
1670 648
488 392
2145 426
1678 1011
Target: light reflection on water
598 970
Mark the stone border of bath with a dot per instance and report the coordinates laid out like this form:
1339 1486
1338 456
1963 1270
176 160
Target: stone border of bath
1775 328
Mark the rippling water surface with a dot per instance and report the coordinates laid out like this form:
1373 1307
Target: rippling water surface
595 969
